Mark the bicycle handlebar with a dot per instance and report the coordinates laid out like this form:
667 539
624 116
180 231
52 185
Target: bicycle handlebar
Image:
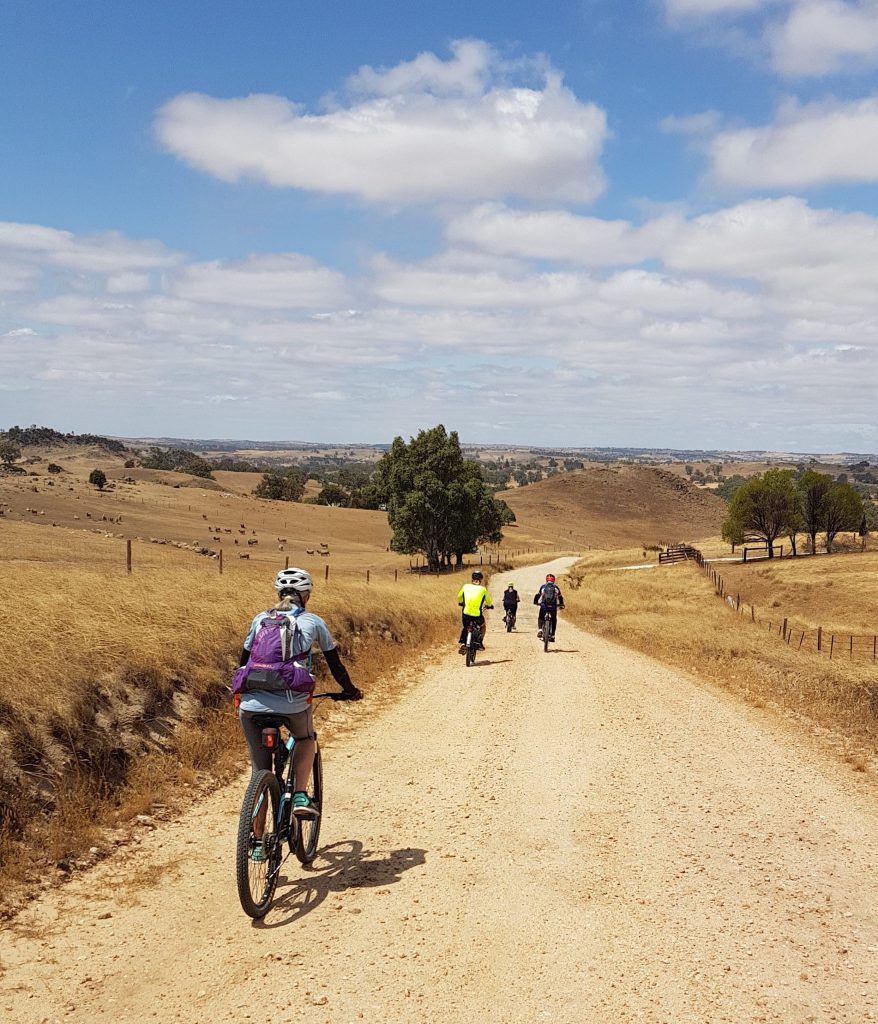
336 695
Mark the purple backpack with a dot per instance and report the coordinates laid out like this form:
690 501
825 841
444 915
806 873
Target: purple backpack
270 665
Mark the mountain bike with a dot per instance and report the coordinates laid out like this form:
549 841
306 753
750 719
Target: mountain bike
473 639
267 810
548 634
509 619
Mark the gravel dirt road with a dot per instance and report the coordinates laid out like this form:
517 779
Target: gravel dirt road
578 836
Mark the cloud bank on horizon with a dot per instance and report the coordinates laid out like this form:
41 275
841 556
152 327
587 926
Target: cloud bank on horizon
490 265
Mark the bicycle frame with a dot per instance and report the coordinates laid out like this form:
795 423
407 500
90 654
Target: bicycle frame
286 824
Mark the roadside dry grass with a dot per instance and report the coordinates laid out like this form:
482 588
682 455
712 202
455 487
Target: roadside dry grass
115 694
672 614
838 592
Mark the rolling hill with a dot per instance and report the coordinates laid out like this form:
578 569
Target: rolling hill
611 506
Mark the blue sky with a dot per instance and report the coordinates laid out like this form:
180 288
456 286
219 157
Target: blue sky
624 223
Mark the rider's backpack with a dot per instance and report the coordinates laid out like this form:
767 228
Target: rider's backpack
270 665
550 595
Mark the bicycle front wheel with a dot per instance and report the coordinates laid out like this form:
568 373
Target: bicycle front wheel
258 853
308 831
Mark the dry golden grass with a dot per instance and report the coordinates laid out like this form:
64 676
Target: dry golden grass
116 684
838 592
176 508
673 614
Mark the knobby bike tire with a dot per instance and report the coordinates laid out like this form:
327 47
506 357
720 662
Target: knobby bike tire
308 831
470 651
257 880
547 628
510 622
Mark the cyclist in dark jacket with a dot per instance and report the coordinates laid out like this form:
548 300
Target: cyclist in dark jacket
550 599
510 602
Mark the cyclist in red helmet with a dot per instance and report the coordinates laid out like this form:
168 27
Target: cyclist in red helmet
550 599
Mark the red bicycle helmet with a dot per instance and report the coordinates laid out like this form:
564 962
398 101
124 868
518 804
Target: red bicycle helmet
550 578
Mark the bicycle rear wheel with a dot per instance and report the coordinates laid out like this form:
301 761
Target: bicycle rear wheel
257 860
547 631
308 829
510 622
472 645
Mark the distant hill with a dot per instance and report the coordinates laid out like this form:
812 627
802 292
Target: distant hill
46 437
612 506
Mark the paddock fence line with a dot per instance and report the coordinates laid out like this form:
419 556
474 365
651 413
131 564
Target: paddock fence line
123 551
861 647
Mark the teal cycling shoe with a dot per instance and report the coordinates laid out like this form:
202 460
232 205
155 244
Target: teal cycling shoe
303 807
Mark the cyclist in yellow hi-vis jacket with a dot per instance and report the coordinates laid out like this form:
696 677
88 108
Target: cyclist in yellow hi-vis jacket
473 598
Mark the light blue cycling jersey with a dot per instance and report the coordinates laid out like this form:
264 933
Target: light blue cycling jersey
311 629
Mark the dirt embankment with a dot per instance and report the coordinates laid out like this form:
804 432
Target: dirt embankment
583 835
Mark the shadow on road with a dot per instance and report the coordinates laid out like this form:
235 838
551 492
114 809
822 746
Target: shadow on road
563 650
337 868
487 661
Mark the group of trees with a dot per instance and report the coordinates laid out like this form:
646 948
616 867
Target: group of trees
9 452
348 486
284 484
177 460
34 435
783 503
437 502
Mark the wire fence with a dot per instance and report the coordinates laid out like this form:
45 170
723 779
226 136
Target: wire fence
146 554
862 647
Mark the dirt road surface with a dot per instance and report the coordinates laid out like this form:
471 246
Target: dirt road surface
578 836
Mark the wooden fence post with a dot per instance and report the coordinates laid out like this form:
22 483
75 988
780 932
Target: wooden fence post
128 555
287 562
752 613
737 602
326 572
221 561
831 645
819 639
367 575
874 646
784 629
852 647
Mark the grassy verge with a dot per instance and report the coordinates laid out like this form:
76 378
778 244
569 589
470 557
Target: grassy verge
116 699
672 614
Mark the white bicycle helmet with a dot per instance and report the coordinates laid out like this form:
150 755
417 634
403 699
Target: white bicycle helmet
294 579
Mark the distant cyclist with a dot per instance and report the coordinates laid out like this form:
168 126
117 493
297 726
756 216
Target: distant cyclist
473 598
511 601
550 599
293 588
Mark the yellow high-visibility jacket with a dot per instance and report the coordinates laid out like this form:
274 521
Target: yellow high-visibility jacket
474 598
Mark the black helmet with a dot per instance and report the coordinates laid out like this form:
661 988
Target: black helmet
477 575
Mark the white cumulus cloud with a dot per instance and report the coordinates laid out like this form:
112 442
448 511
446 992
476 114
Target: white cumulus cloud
796 38
427 130
262 282
805 146
821 37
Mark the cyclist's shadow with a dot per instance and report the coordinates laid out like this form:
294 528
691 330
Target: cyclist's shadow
337 868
